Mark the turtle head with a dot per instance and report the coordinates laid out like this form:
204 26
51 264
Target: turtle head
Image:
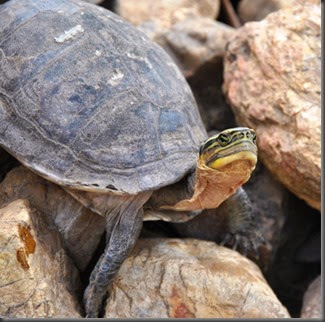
226 162
236 146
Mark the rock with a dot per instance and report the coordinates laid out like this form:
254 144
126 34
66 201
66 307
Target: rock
166 12
195 42
37 278
311 308
80 229
256 10
272 80
173 278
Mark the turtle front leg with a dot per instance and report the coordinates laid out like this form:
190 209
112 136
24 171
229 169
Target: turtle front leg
243 229
123 229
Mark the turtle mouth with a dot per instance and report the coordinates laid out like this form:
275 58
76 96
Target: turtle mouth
244 150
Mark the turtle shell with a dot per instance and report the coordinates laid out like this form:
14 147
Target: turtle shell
87 101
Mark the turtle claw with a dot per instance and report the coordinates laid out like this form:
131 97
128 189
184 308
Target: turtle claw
226 240
246 244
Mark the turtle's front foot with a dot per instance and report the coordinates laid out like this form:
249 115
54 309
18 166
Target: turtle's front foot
250 244
244 228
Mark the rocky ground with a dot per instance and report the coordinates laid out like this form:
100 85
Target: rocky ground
254 63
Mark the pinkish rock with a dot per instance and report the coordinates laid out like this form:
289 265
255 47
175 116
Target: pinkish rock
272 80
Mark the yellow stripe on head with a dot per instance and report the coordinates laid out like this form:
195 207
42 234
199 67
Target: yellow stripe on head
228 146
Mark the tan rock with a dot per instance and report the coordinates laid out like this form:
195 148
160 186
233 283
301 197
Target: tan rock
311 307
37 278
80 229
256 10
166 12
272 79
172 278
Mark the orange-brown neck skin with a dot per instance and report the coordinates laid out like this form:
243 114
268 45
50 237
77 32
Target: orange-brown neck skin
213 186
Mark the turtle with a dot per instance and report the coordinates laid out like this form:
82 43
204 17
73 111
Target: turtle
88 102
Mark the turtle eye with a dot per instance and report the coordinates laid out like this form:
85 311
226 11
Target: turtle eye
223 139
252 136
